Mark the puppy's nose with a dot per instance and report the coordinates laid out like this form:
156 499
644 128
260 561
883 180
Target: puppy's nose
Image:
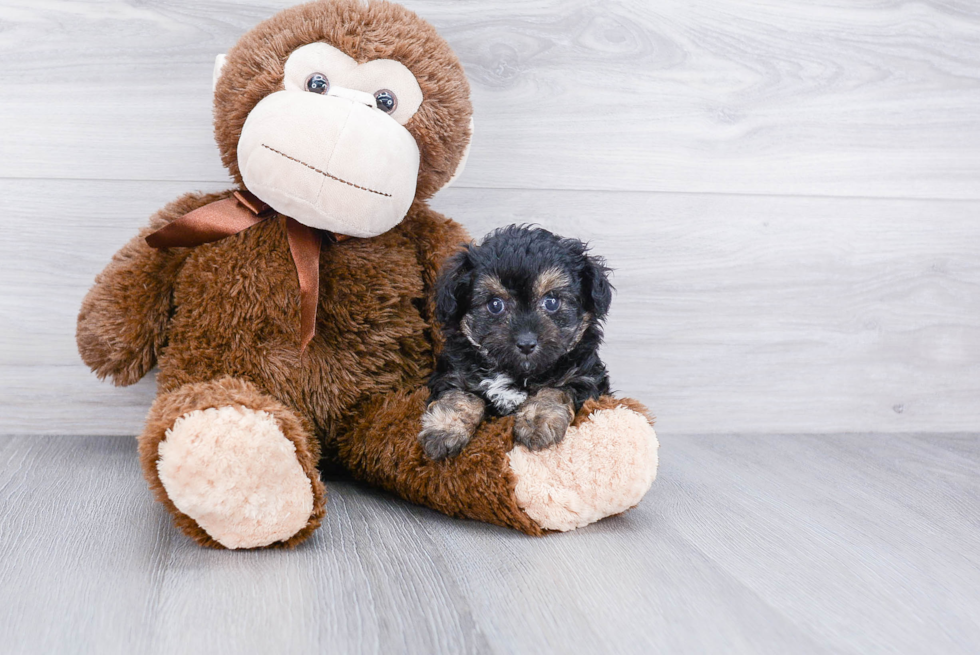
526 343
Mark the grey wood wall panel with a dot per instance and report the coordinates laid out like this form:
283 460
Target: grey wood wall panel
783 544
821 98
733 313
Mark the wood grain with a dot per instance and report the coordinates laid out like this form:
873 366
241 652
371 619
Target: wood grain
733 313
789 543
741 96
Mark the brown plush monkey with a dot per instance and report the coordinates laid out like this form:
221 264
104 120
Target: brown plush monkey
293 321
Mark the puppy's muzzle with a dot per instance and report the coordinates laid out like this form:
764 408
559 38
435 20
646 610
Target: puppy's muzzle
526 343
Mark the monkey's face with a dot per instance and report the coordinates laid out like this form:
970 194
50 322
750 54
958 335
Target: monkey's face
341 114
331 149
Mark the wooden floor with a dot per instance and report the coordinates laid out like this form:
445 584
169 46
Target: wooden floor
748 544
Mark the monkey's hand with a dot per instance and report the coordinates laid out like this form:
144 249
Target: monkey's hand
123 320
543 419
123 317
448 423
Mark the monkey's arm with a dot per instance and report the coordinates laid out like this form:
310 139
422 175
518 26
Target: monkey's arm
122 322
382 448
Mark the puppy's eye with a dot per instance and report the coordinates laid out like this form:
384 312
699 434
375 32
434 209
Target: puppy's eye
551 304
317 83
495 306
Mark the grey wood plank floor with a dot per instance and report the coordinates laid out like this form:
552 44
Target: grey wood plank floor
772 544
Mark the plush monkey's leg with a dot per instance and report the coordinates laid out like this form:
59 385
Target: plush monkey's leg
383 449
604 465
235 467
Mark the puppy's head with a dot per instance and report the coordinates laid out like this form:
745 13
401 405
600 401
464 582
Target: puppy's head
524 297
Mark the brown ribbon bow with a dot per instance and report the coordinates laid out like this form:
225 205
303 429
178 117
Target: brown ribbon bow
223 218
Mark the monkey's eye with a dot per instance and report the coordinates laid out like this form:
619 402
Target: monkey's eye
551 304
386 100
495 306
318 83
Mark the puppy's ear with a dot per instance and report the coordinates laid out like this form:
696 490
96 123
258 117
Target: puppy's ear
453 288
596 288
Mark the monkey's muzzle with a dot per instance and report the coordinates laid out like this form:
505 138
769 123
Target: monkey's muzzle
329 161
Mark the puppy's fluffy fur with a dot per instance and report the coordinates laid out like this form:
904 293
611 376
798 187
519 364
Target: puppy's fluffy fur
522 318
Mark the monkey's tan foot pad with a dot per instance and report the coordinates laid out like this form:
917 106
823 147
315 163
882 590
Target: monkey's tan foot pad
602 467
233 471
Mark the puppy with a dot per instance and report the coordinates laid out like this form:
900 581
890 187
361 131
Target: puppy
522 317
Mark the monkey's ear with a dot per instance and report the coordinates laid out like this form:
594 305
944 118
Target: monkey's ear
453 288
462 160
596 287
219 63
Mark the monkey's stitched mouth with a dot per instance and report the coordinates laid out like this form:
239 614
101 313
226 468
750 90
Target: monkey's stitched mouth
324 173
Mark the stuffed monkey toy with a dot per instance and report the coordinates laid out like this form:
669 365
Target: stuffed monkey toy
291 318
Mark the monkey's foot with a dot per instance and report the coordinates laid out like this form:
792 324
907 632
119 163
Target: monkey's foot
604 465
233 471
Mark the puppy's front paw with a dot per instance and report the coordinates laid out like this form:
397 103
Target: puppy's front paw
543 419
440 444
448 424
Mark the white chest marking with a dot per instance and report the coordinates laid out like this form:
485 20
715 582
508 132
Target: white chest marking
502 393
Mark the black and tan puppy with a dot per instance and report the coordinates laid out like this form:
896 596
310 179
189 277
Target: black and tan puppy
522 315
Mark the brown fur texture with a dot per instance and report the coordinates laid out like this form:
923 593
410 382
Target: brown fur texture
123 320
378 30
230 311
228 392
608 402
219 320
478 484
